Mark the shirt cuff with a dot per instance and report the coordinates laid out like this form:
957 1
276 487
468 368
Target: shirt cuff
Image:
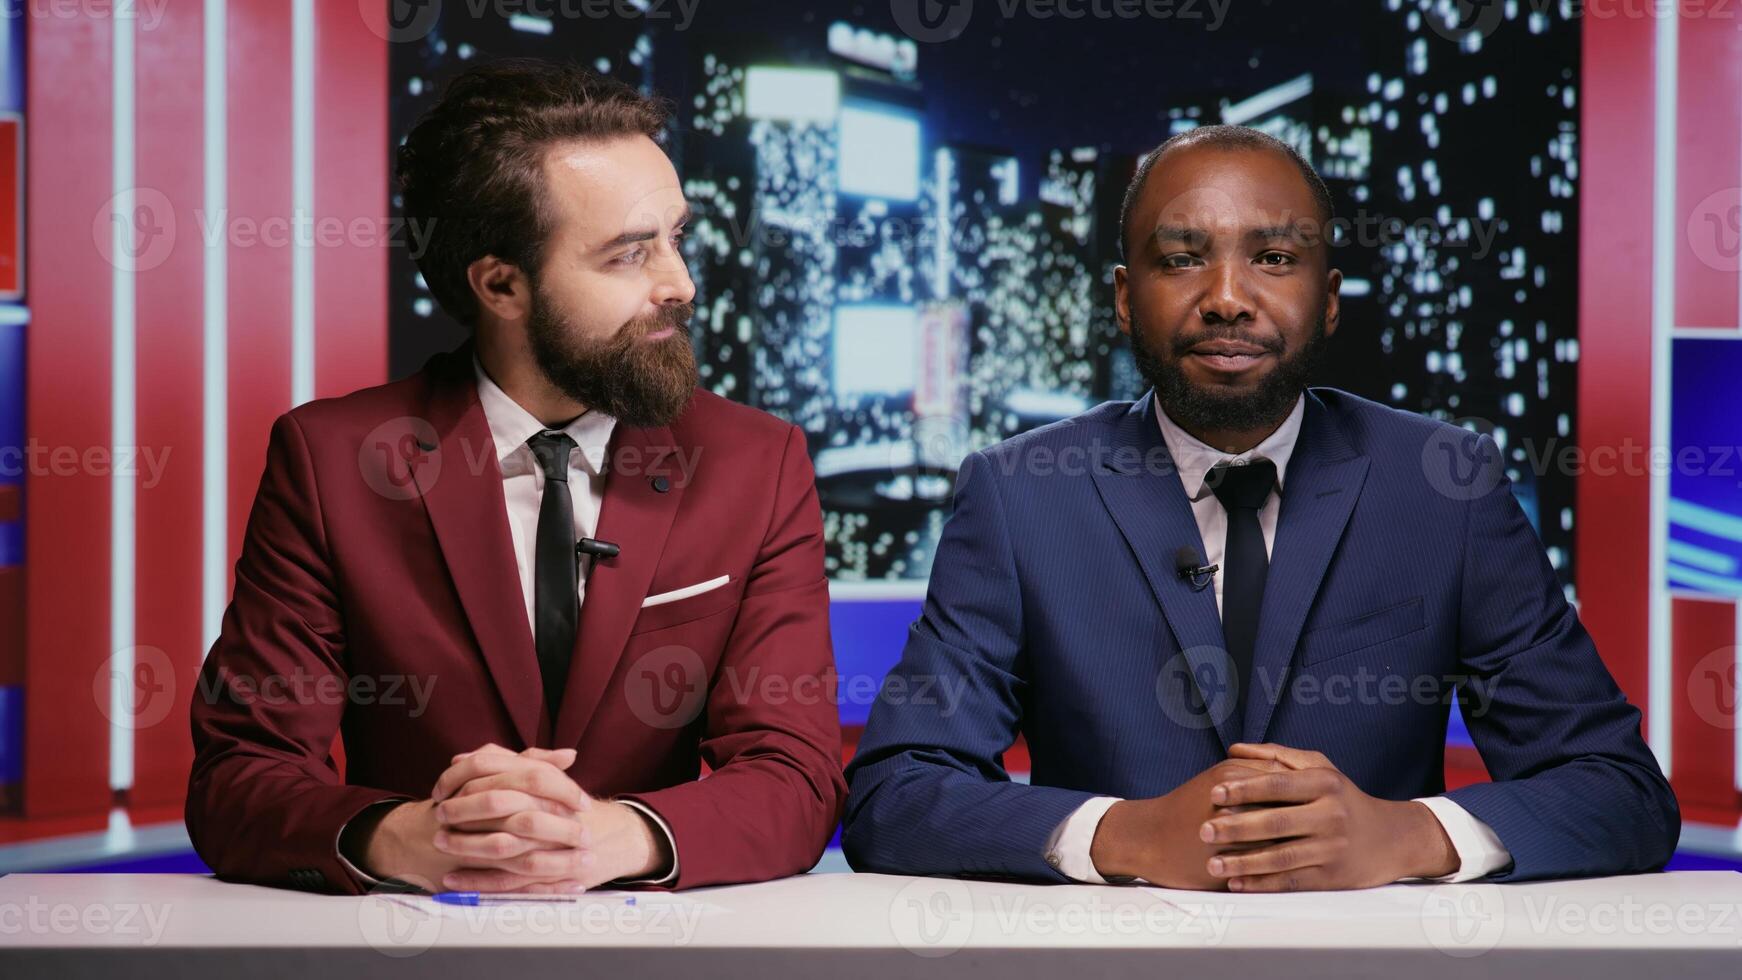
1068 848
369 881
671 842
1479 850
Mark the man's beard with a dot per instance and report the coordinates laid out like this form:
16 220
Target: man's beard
642 383
1203 408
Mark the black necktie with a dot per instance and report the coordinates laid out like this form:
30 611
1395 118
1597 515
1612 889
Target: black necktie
1242 490
554 601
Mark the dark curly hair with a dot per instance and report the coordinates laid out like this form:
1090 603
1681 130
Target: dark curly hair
471 170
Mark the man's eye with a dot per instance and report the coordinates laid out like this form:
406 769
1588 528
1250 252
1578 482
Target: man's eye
1276 259
630 257
1178 260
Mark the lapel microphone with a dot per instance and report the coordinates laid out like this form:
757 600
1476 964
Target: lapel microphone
595 549
1188 564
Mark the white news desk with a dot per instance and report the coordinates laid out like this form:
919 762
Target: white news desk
840 926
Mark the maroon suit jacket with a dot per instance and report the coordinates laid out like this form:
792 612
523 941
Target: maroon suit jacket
377 564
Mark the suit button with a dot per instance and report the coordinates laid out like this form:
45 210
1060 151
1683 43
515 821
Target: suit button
661 484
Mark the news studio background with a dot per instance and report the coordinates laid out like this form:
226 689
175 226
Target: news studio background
906 221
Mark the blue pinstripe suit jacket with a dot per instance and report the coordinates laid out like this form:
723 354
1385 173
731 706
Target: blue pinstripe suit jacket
1403 570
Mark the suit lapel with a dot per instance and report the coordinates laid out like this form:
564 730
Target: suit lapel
1149 505
636 516
461 485
1323 481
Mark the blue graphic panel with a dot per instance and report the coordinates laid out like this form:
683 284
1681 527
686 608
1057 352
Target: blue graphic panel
868 635
1705 482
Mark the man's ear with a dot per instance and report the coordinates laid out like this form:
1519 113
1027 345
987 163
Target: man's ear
1122 299
500 288
1333 301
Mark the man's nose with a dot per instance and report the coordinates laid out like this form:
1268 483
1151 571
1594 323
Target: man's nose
1225 298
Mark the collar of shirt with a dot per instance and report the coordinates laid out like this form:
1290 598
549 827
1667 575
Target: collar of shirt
1194 458
511 425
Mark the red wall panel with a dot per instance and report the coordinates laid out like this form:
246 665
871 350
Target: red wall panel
67 410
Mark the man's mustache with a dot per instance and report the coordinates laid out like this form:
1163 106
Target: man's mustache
675 317
1183 344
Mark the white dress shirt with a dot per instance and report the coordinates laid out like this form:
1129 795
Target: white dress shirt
523 492
523 479
1068 849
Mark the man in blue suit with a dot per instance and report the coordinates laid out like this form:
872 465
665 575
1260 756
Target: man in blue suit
1276 723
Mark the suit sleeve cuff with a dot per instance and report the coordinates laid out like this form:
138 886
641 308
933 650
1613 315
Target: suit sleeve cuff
1068 849
1479 850
670 842
368 881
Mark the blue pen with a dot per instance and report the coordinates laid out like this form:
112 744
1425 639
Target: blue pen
476 898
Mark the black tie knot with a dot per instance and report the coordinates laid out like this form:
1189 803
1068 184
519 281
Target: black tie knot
1244 485
552 450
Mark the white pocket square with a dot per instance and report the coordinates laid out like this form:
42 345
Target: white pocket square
685 592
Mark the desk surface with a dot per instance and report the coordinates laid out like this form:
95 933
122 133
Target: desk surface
843 925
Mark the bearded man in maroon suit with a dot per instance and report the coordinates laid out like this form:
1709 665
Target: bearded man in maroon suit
541 583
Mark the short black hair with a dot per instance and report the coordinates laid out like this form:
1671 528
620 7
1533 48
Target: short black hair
1224 138
471 170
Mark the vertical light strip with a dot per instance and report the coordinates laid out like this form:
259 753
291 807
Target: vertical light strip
214 425
1663 241
122 425
943 249
302 170
1736 709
